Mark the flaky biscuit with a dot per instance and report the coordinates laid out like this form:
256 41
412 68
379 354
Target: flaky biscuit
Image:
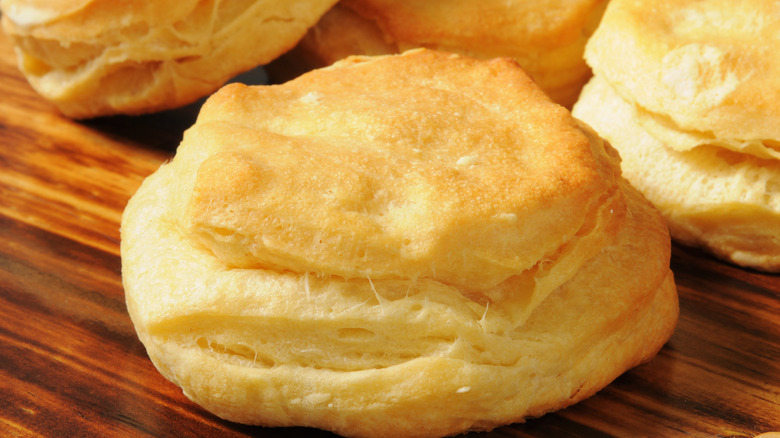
377 249
547 37
706 69
687 92
100 57
712 197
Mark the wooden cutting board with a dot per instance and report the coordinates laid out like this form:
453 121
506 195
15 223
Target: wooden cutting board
71 365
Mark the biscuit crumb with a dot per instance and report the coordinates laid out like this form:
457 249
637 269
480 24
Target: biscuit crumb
317 398
468 160
510 218
311 97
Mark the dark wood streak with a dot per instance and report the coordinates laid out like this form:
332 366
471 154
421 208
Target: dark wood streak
71 364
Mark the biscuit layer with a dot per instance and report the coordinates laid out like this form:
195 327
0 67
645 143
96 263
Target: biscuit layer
481 188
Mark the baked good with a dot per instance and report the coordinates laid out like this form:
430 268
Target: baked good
688 93
100 57
407 245
547 37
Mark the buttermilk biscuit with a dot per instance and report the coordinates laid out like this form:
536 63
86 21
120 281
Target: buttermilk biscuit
547 37
688 93
99 57
409 245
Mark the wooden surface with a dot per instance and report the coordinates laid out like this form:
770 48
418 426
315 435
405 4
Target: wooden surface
71 365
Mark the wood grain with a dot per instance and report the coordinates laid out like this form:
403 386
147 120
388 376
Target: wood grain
71 365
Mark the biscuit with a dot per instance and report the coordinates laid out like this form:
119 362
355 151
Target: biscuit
408 245
688 95
101 57
547 37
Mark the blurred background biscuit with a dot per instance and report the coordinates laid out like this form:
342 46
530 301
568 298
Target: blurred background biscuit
100 57
688 93
547 37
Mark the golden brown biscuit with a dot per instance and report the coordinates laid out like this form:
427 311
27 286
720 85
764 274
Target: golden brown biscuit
547 37
378 249
688 93
100 57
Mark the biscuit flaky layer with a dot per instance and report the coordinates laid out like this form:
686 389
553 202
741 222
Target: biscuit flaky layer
378 249
100 57
688 93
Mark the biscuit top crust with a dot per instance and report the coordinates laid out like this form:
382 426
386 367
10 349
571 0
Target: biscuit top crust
421 165
709 67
